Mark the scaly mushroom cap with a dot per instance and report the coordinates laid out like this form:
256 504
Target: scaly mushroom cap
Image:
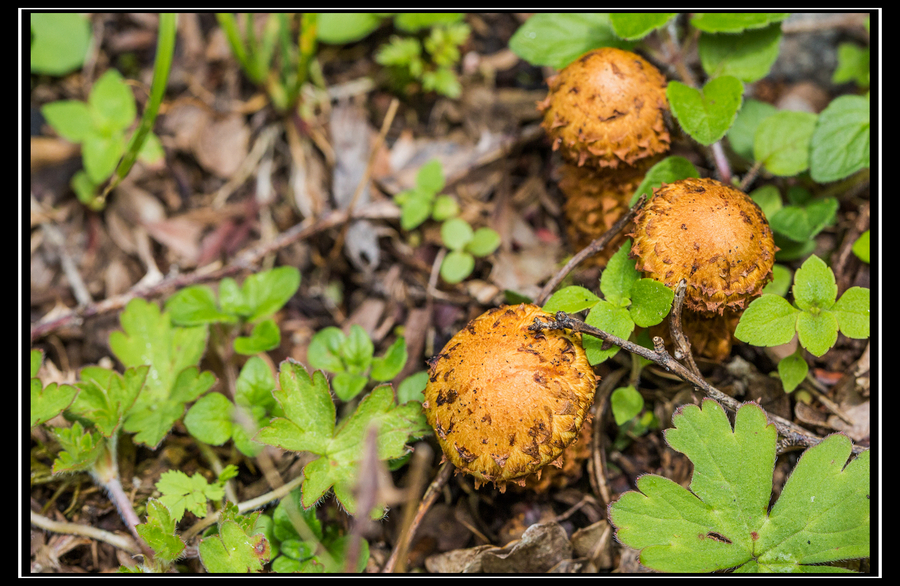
710 234
505 401
606 108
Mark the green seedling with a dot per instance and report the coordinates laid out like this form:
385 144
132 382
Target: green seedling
853 64
725 521
861 247
274 61
795 225
237 547
464 244
423 201
59 42
629 301
309 425
254 303
350 359
159 533
626 403
816 315
47 402
181 493
100 125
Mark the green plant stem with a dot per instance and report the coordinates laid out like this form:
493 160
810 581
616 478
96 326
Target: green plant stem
794 434
165 49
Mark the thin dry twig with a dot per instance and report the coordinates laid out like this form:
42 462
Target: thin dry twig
682 344
793 434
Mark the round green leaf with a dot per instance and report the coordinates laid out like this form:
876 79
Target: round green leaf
209 419
782 141
626 402
571 300
112 104
817 332
734 22
70 119
852 313
324 350
769 321
706 115
558 38
611 319
792 370
456 233
60 42
345 27
840 142
748 56
650 302
636 25
457 265
743 131
265 336
484 242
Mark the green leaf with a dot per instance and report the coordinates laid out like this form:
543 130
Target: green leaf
782 142
650 302
415 208
456 233
151 422
782 277
636 25
861 247
345 27
557 39
186 493
748 56
734 22
268 291
415 21
105 397
101 154
47 402
792 370
445 207
80 448
309 412
619 276
706 115
234 550
386 367
769 321
817 332
571 300
70 119
324 350
60 42
821 515
743 132
456 266
400 51
254 385
668 170
626 402
159 532
232 298
853 65
768 198
357 350
802 223
430 177
347 385
611 319
112 104
195 306
814 285
412 388
840 142
484 242
265 336
210 419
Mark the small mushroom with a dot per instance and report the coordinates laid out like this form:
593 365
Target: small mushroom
717 239
505 401
607 108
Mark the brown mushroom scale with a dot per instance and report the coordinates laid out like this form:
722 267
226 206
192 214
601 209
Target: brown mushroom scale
504 401
607 108
710 234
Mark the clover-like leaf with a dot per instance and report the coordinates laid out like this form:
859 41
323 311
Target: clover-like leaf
105 396
822 514
706 115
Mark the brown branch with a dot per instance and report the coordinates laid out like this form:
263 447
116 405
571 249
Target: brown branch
591 249
682 344
794 434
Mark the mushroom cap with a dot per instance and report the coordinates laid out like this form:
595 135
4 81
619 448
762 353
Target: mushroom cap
607 108
505 401
710 234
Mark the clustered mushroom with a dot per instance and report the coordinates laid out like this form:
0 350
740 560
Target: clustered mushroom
605 113
505 401
717 239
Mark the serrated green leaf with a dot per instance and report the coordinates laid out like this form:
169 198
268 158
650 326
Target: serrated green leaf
80 448
159 532
792 370
852 313
802 223
196 305
817 332
853 65
105 397
571 300
152 422
385 368
650 302
706 115
814 285
769 321
47 402
268 291
456 266
186 493
611 319
265 336
748 56
233 550
723 522
308 422
636 25
782 142
557 39
840 141
734 22
743 132
668 170
619 276
626 402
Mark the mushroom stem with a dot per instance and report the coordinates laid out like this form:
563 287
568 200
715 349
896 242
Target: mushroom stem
591 249
793 434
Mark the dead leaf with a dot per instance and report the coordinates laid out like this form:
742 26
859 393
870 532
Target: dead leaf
221 146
